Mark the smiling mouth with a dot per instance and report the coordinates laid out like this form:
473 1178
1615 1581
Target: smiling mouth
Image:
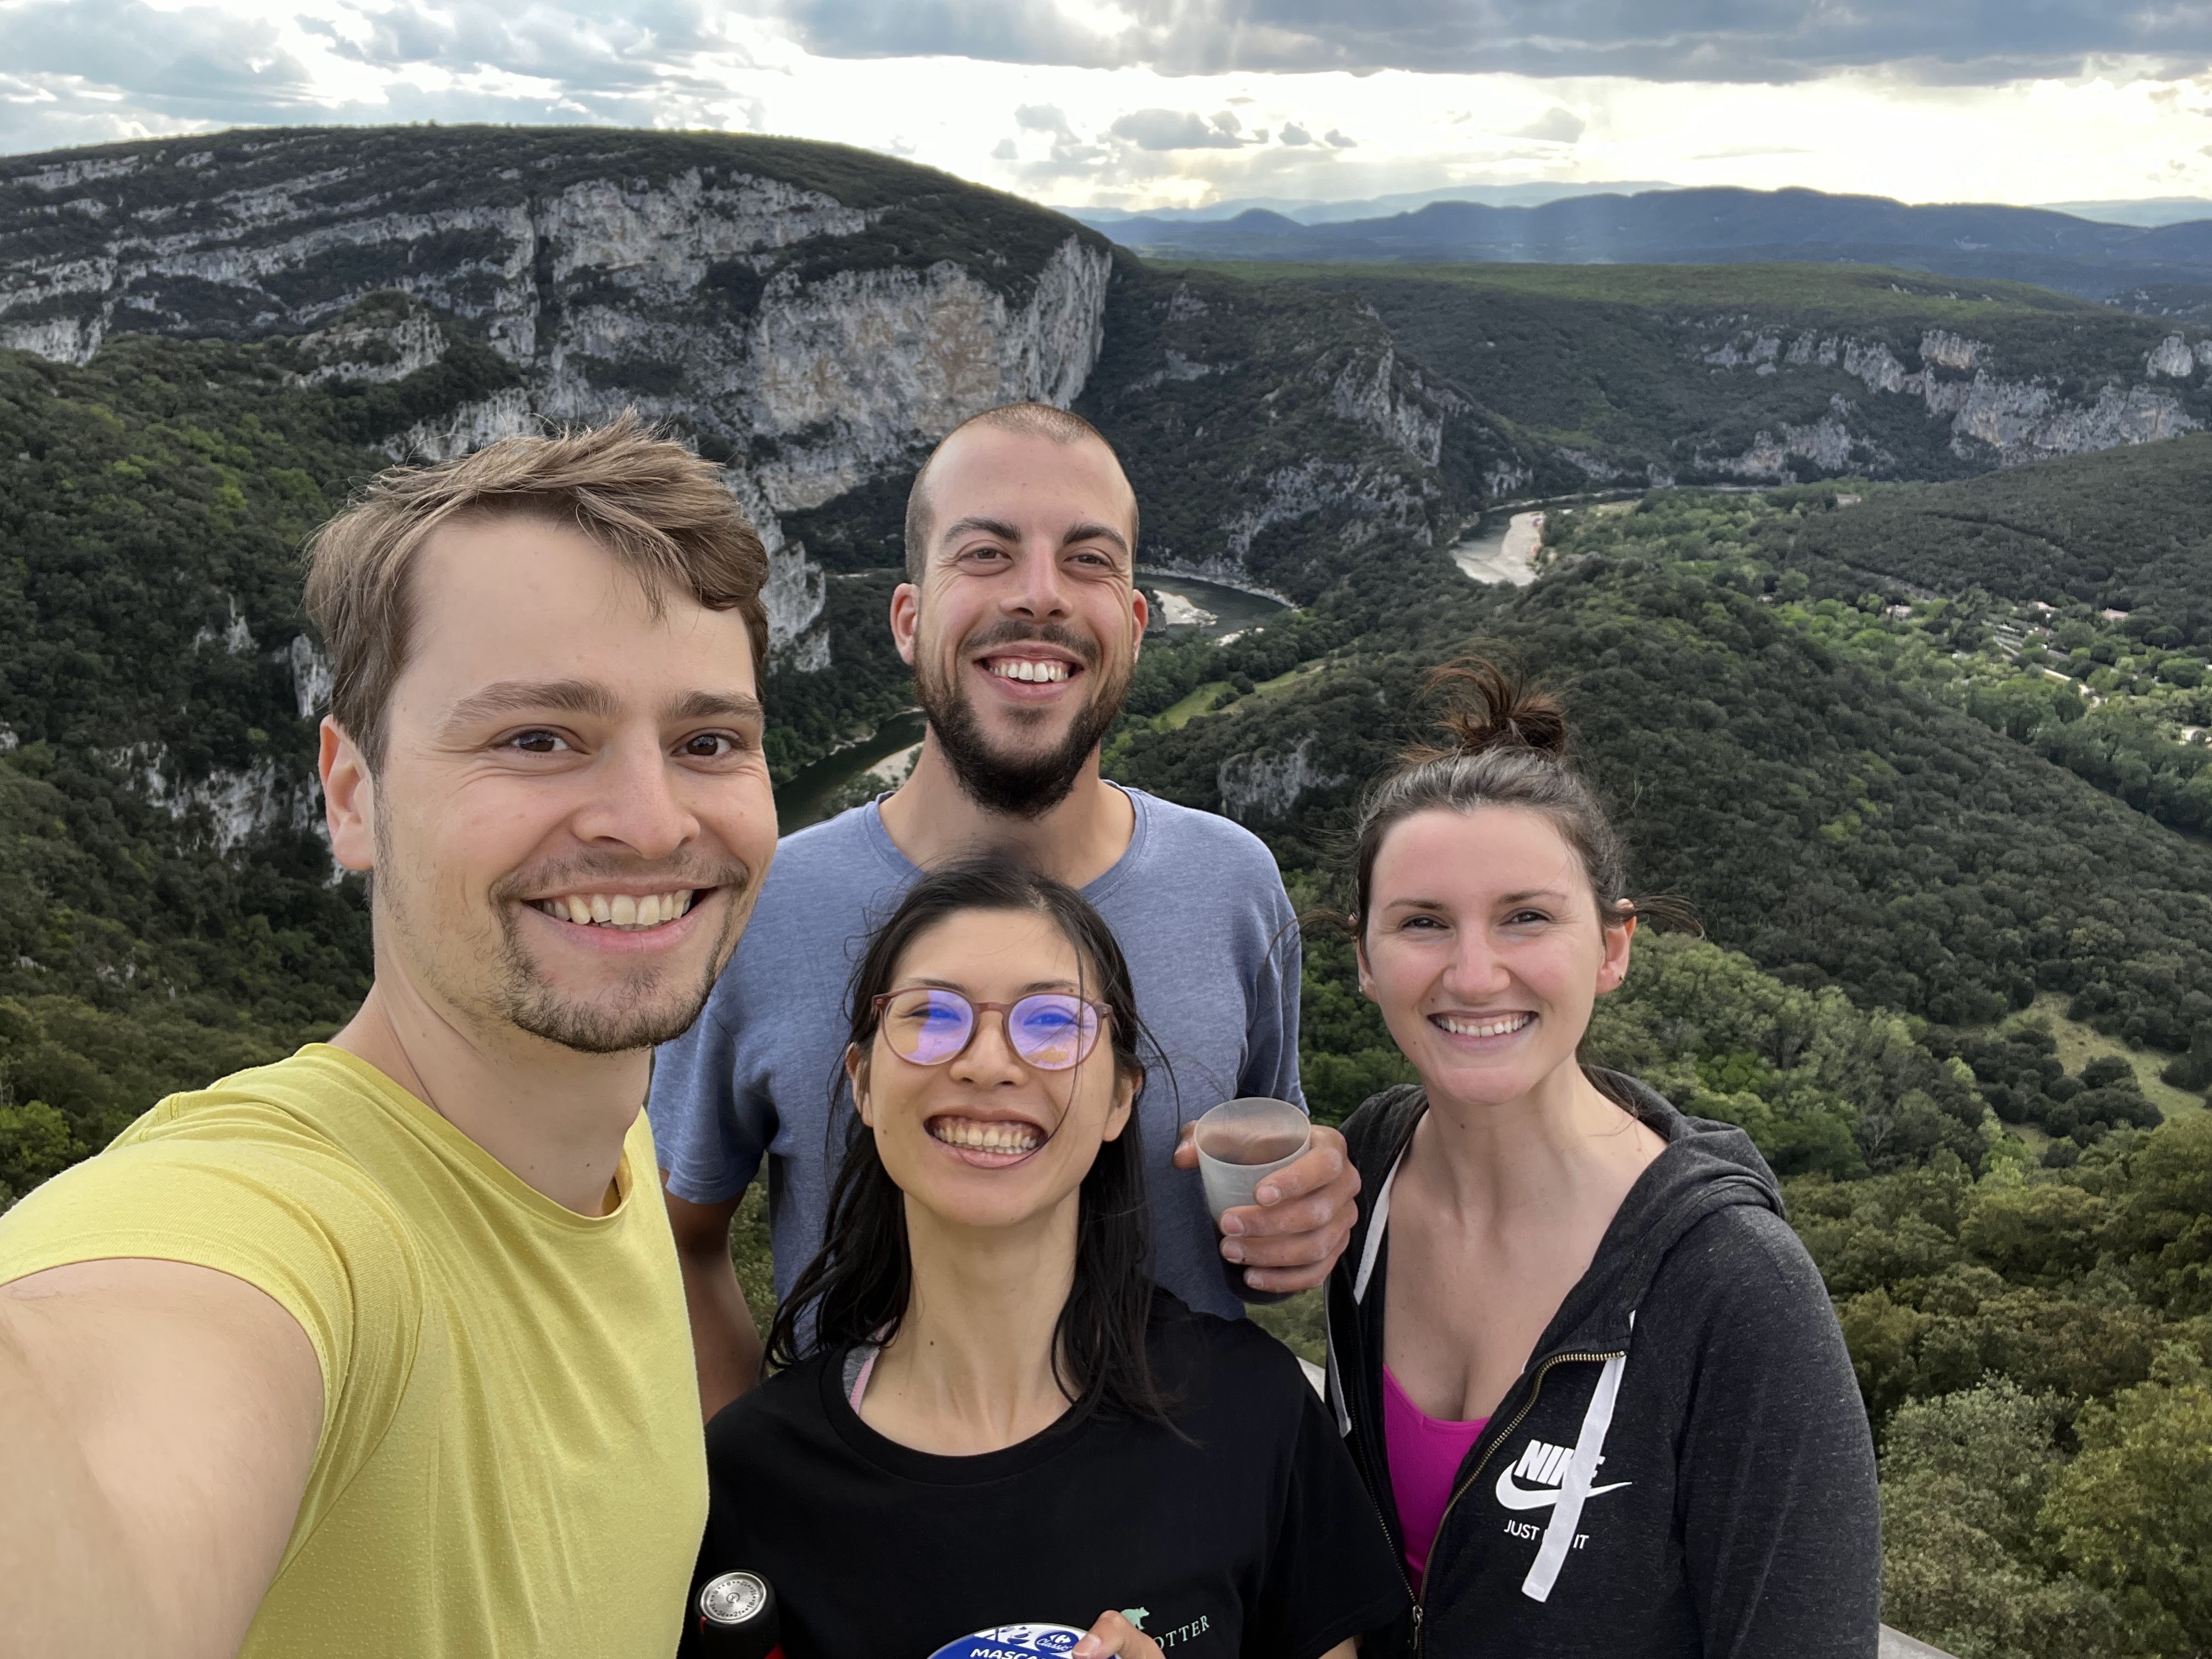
627 911
1500 1025
1030 671
970 1134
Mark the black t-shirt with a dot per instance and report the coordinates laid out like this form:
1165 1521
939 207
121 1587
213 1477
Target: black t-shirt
1252 1537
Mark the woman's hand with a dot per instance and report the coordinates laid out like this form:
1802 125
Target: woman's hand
1113 1634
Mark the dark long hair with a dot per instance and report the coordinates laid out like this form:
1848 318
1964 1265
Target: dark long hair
857 1287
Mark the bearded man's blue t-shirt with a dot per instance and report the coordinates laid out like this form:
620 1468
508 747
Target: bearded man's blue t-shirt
1200 913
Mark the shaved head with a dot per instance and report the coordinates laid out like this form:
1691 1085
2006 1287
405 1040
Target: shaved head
1030 420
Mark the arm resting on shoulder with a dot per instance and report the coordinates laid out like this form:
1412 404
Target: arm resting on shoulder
158 1424
724 1339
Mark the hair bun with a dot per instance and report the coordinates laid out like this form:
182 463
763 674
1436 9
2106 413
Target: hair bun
1496 707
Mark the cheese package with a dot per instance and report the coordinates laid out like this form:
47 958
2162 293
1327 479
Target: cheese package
1012 1642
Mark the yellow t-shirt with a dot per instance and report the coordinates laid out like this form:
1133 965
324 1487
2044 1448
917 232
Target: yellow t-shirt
510 1464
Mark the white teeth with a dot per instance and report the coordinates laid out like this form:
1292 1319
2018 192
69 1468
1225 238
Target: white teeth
986 1136
1486 1028
619 909
1021 668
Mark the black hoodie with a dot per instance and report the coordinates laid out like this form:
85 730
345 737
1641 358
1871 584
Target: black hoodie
1684 1465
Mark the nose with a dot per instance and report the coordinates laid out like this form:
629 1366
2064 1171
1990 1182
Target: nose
989 1059
1039 590
634 801
1476 969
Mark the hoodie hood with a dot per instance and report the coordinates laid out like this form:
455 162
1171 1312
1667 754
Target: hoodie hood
1706 1166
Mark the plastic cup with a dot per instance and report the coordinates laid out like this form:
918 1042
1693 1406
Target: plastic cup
1240 1144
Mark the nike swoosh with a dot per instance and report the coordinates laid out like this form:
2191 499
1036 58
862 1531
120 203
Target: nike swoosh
1515 1496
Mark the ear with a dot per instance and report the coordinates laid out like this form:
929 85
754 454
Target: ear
349 797
1125 1101
1140 614
1359 957
1614 968
856 1074
906 619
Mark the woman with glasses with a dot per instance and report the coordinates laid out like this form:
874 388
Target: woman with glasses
986 1417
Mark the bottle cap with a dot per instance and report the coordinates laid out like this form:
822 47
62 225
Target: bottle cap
735 1598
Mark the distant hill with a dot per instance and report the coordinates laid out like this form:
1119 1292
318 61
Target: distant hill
1721 226
1649 374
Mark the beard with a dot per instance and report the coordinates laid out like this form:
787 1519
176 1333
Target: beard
506 983
645 1007
1020 786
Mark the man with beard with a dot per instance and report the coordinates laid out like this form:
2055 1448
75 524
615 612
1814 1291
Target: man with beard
1022 620
381 1349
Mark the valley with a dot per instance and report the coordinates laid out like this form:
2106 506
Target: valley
1881 598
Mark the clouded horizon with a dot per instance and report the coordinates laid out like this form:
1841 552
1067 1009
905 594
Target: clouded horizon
1151 103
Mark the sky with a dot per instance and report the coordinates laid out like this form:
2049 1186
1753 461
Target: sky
1139 103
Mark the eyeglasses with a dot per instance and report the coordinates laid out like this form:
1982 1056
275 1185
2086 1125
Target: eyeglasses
1051 1030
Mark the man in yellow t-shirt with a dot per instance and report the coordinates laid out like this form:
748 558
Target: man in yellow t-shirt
382 1351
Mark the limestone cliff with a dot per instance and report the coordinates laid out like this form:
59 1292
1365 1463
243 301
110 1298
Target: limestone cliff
1992 415
814 318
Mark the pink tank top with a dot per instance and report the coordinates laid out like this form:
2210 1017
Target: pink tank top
1424 1453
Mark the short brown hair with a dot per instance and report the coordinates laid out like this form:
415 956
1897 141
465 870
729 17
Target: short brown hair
1033 420
657 508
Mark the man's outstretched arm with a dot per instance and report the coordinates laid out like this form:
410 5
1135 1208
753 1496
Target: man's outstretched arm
158 1424
724 1340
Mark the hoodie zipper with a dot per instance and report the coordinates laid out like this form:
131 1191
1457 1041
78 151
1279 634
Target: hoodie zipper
1475 1474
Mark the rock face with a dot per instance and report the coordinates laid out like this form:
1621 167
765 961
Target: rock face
1992 416
814 317
1267 783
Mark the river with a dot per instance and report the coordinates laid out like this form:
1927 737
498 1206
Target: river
809 794
1183 606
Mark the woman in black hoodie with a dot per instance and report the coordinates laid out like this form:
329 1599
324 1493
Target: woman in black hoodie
1592 1379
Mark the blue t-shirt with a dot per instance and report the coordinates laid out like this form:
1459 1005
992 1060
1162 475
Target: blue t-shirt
1200 913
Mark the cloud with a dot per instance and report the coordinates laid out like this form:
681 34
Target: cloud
1044 118
1295 134
1555 126
1743 40
1169 128
1337 140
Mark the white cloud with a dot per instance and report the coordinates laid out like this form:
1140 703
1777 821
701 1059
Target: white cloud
1555 126
77 71
1167 129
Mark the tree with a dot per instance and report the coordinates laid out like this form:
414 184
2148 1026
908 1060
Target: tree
2135 1510
1965 1566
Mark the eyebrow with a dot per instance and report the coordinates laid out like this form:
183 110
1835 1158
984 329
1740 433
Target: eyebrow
1086 531
590 698
999 527
922 983
1096 533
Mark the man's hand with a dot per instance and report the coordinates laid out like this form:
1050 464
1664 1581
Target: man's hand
1113 1634
1292 1236
158 1423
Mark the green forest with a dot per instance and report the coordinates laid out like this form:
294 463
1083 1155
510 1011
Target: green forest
1927 761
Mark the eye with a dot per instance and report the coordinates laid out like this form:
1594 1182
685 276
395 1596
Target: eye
1526 919
712 745
1423 924
538 743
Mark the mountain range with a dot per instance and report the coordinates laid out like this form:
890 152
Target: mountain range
2058 250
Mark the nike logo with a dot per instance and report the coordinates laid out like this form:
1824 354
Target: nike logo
1546 1465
